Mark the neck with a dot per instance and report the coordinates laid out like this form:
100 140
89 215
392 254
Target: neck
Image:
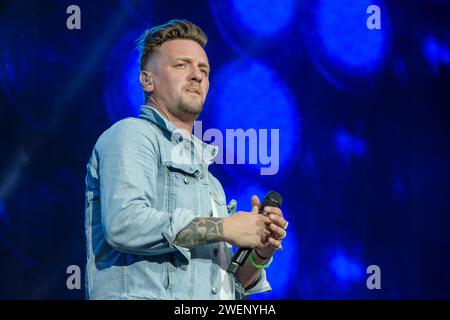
184 125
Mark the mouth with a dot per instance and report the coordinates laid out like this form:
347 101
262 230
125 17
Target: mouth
194 90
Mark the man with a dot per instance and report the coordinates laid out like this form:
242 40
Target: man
158 227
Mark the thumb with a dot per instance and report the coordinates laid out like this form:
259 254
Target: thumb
255 204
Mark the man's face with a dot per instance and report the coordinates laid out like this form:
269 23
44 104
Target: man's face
180 74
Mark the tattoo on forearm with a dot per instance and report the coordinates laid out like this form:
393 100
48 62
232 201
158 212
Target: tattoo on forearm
200 231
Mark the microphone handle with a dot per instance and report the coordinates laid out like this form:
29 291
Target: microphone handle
239 258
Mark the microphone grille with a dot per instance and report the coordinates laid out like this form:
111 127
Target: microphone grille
272 199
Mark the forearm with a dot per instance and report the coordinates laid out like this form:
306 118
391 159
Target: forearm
208 230
248 274
200 231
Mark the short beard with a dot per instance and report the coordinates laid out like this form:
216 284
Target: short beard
189 109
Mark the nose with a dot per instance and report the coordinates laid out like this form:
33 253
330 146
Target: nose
196 75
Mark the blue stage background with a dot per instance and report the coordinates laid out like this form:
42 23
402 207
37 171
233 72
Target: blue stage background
362 115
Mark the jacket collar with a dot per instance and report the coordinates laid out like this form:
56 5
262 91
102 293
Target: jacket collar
208 152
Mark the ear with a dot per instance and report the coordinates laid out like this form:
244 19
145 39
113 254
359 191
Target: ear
145 78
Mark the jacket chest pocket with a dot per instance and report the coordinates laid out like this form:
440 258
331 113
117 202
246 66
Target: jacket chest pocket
182 185
220 203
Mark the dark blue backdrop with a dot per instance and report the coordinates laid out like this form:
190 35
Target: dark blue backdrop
363 125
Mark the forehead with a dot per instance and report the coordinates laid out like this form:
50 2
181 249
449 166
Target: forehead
173 49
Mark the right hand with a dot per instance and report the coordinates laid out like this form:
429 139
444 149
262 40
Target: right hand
246 229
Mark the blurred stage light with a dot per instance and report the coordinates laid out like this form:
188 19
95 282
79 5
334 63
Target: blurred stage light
278 276
399 190
341 45
122 94
436 53
349 145
249 95
250 23
7 239
4 215
140 10
347 269
345 36
30 75
264 17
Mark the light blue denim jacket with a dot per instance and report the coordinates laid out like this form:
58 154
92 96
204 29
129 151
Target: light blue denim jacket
138 197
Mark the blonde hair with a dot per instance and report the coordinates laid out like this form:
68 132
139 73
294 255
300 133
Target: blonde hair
174 29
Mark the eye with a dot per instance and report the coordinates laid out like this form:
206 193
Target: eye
180 65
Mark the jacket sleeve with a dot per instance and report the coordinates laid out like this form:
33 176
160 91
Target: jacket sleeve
261 285
128 171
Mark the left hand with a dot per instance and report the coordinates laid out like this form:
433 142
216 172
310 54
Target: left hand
277 226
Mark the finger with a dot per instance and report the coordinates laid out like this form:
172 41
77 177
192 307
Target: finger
274 243
279 233
273 210
279 221
255 204
265 219
265 237
266 231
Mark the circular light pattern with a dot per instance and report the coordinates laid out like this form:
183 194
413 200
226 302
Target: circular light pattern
345 36
341 45
250 96
251 25
254 15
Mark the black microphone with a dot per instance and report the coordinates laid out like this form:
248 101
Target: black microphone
272 199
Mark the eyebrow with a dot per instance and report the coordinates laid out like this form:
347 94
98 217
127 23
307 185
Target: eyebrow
189 60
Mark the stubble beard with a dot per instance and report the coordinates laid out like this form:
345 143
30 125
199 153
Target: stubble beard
192 107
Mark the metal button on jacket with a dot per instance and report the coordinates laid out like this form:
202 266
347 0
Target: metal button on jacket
214 290
186 180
